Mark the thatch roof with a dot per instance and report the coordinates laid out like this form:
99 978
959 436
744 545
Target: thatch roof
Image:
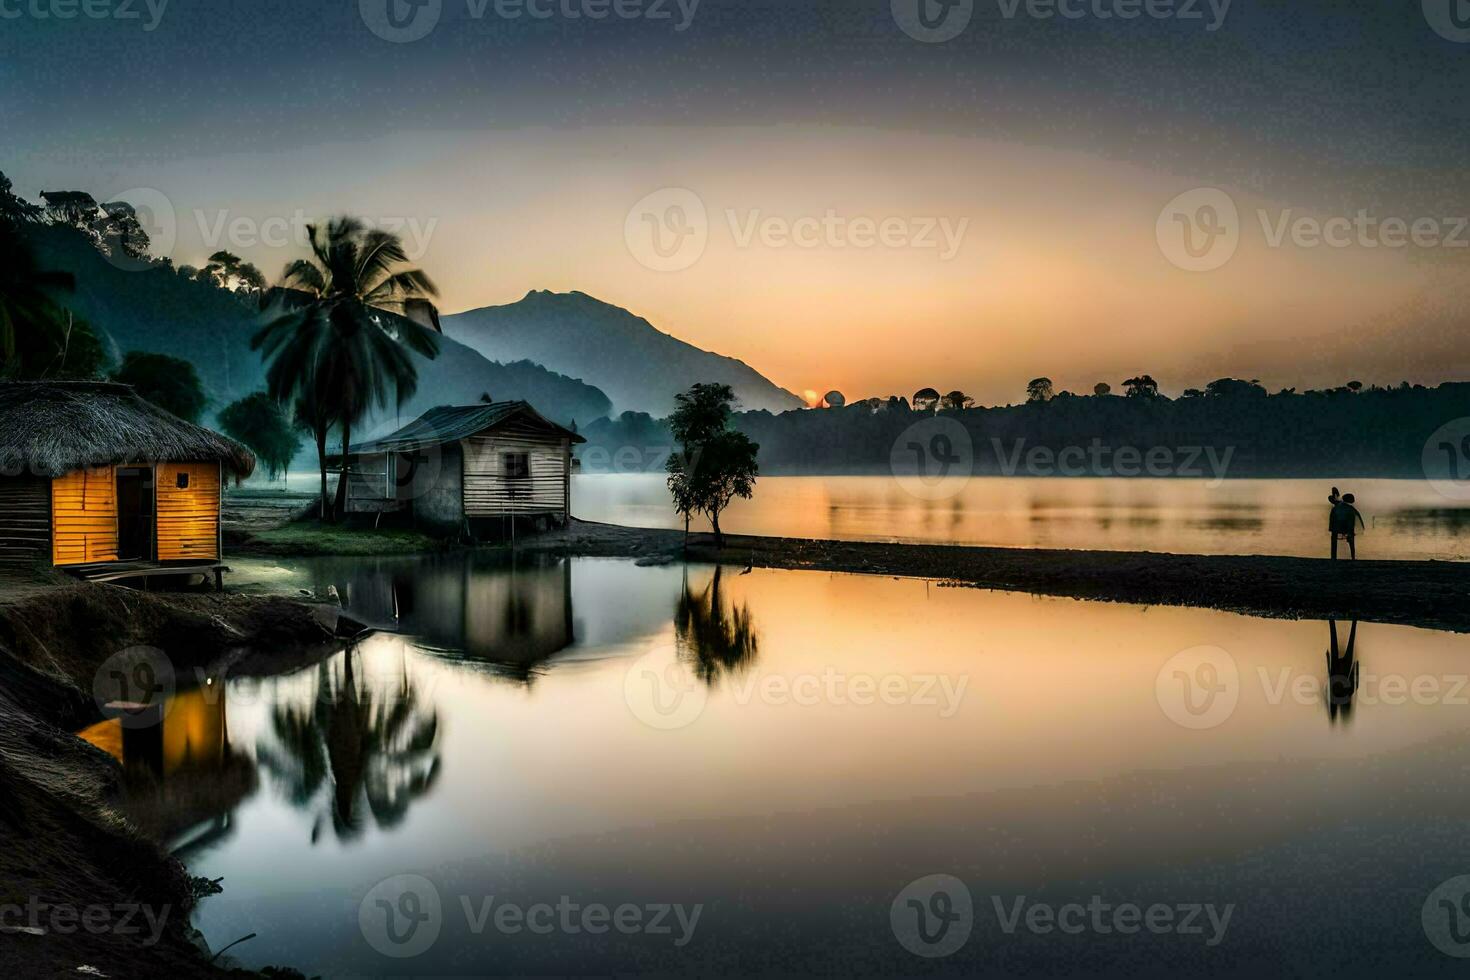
51 428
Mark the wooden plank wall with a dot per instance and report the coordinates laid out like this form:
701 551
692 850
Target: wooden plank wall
188 519
487 492
84 517
25 520
369 490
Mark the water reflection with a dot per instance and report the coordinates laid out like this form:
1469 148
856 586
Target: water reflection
1061 764
363 746
1342 674
182 778
509 616
713 637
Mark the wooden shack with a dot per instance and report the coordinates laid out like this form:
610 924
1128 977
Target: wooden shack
98 481
472 467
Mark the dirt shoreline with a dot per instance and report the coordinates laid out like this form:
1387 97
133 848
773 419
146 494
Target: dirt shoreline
1428 594
63 843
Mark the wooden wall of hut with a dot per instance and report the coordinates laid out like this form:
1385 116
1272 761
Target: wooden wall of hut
84 516
25 520
490 492
188 511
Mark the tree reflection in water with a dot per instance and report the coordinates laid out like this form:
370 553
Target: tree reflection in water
375 744
714 638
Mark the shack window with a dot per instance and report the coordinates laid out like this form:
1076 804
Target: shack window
517 466
183 481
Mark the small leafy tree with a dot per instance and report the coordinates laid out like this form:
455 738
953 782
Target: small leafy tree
121 232
1102 388
168 382
727 469
1039 390
714 463
926 399
258 421
957 400
1143 386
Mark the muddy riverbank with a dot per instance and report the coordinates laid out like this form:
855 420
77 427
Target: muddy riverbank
79 886
1429 594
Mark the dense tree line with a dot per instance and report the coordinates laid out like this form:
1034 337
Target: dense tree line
1353 429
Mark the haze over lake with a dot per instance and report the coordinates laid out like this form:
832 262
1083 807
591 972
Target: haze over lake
1406 518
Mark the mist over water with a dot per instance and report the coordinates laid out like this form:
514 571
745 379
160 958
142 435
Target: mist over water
1405 518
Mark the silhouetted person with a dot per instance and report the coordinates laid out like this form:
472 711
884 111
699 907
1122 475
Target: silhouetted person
1342 674
1343 522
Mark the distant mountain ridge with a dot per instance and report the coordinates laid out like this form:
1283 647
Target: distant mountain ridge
634 363
155 309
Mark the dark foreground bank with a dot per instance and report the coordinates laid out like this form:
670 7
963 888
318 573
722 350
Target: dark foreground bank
79 888
1430 594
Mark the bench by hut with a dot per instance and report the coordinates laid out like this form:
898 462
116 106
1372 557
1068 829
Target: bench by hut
475 467
98 481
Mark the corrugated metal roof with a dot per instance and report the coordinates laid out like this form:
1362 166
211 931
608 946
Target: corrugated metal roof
453 423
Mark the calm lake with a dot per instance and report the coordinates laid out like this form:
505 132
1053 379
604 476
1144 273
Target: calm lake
573 766
1405 518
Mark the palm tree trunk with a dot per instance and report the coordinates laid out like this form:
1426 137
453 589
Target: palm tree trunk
321 460
342 482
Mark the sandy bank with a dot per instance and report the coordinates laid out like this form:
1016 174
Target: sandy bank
1429 594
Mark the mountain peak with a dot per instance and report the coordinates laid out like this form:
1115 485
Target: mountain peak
639 366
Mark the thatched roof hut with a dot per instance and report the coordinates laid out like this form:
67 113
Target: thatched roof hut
52 428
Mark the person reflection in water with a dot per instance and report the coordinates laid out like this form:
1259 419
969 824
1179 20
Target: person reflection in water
1343 522
1342 674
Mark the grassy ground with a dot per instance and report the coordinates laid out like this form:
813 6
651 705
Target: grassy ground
306 539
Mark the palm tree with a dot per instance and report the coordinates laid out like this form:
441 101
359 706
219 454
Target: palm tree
340 333
373 747
30 320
